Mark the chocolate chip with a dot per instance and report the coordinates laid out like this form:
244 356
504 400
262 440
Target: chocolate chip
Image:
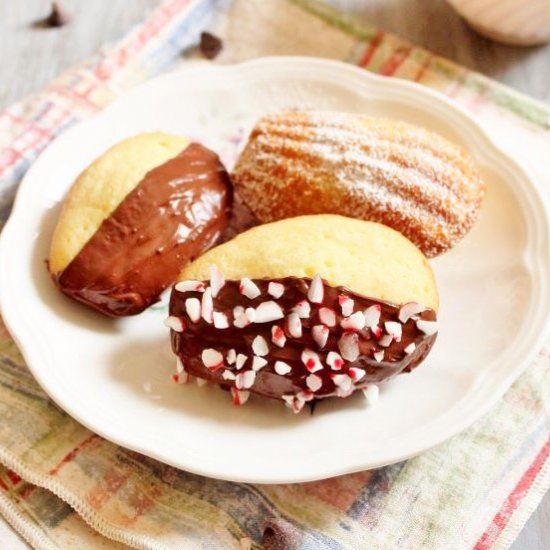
210 45
58 16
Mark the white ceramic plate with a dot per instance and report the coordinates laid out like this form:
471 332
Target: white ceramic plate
114 376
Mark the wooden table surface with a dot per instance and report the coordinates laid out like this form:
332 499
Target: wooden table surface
31 56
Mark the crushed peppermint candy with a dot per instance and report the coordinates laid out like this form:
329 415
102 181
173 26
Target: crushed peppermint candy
355 322
190 286
207 306
282 368
212 359
294 325
346 305
334 360
216 280
240 361
220 320
371 393
245 379
259 346
372 316
327 316
314 382
299 319
174 323
267 312
303 309
278 336
316 290
275 289
258 363
311 360
249 289
240 397
394 329
349 346
427 327
193 309
320 335
409 309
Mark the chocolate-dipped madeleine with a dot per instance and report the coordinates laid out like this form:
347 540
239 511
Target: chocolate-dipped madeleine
134 218
303 309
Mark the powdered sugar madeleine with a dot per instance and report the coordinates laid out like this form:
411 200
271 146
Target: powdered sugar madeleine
413 180
303 309
134 218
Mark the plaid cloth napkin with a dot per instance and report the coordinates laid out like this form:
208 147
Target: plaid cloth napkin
62 486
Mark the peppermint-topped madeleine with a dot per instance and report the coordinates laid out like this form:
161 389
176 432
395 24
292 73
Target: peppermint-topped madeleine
295 337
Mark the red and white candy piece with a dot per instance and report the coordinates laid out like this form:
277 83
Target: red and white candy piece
258 363
216 280
371 393
174 323
314 382
240 361
243 318
394 329
356 374
334 360
282 368
349 346
385 341
207 306
303 309
294 325
311 360
278 336
342 381
327 316
378 355
228 375
410 348
320 335
427 327
240 397
190 286
294 403
259 346
231 356
275 289
245 380
346 305
220 320
409 309
181 377
316 290
248 288
354 322
267 312
193 309
372 316
212 359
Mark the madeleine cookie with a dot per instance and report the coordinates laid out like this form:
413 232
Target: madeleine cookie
304 308
381 170
134 218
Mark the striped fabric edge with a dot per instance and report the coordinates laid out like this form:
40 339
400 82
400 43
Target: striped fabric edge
525 498
520 104
85 511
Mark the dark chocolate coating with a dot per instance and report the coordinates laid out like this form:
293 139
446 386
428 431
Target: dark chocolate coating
189 344
178 211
